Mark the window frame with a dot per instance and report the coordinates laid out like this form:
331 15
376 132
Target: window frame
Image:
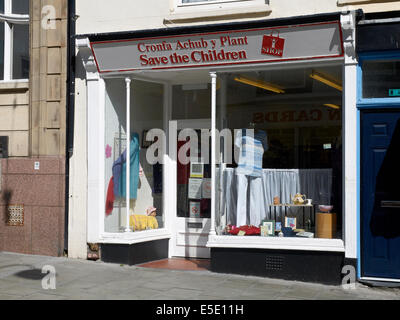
205 2
215 9
10 19
374 102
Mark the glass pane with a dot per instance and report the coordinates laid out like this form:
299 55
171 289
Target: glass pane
1 50
191 102
381 79
194 177
21 52
1 6
283 164
146 183
193 168
20 6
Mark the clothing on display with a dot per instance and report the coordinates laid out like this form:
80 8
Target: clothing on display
249 203
157 178
252 144
284 183
248 230
139 222
119 170
110 197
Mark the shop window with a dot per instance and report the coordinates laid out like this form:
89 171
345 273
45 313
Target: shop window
146 183
14 39
191 102
380 78
292 185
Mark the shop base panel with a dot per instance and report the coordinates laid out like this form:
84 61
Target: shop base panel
135 253
307 266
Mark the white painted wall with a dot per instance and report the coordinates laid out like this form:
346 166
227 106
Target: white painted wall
77 236
97 16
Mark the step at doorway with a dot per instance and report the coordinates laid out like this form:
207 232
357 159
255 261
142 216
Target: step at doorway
179 264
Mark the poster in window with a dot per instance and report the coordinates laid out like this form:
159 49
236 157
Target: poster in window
194 208
206 188
194 191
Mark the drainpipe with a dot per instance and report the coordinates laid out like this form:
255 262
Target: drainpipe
70 108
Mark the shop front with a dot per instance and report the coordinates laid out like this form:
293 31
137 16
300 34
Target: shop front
236 140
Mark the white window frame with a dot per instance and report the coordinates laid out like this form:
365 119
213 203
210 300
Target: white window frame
10 20
216 9
205 2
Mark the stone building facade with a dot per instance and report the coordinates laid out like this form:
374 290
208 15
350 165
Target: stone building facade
33 120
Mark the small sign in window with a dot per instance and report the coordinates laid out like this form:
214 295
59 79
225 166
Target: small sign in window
394 92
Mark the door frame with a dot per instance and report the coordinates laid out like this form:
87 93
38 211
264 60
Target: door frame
370 109
172 168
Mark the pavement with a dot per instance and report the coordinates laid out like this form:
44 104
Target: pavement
21 278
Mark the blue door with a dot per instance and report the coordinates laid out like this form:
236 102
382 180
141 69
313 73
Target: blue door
380 194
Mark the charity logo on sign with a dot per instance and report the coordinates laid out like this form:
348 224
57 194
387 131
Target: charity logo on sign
273 45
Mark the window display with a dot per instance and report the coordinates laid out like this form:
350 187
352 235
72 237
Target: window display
289 143
145 180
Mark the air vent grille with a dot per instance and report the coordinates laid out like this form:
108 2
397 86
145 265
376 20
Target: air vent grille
274 263
15 215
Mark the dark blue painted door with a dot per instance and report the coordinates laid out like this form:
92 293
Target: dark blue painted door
380 194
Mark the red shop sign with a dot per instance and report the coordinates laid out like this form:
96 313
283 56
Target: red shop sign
273 45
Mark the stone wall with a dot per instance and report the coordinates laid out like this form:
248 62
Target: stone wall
42 192
34 114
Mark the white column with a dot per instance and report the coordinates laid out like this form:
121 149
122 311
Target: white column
349 135
128 150
169 172
213 76
222 164
88 213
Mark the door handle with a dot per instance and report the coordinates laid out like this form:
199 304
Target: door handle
390 204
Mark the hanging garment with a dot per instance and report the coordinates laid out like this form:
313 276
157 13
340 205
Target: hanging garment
157 178
251 151
119 170
183 170
249 173
110 197
253 203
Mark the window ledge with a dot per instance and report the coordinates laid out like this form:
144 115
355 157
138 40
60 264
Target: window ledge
341 2
189 14
331 245
135 237
14 84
